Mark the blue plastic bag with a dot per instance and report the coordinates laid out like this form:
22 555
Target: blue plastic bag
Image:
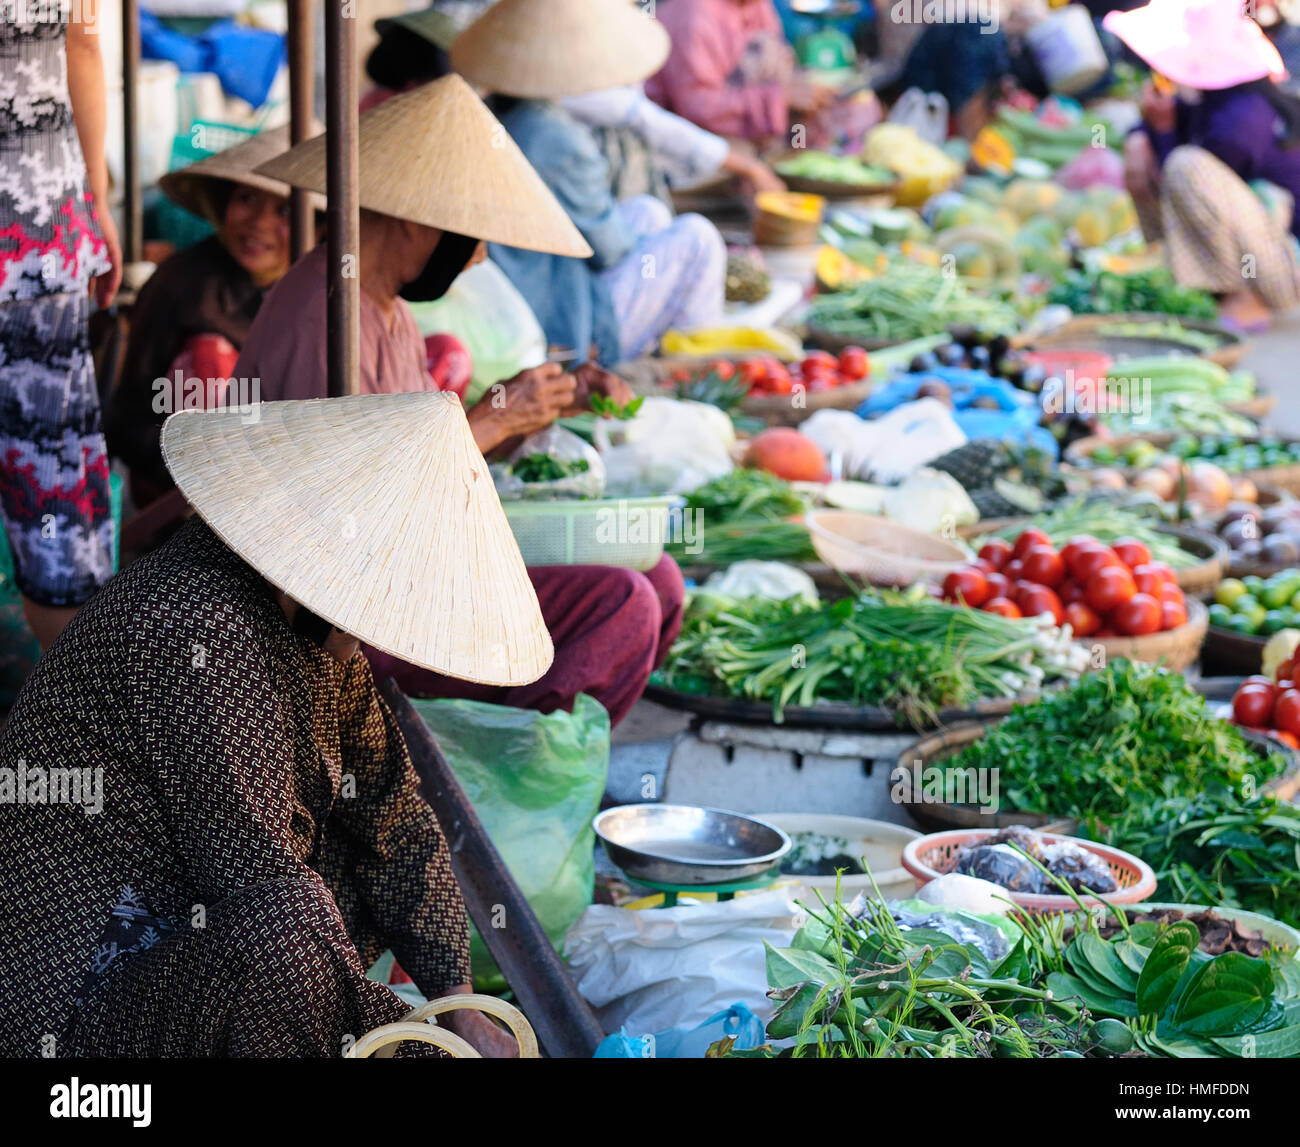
686 1043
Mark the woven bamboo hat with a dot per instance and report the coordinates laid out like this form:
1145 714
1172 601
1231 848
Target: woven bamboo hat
436 155
548 49
192 187
377 512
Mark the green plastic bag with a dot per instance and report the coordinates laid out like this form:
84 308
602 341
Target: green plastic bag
536 781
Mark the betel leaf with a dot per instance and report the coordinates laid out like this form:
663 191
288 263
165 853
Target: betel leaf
787 967
1227 994
1133 955
1165 966
1281 1043
790 1017
1104 959
1065 986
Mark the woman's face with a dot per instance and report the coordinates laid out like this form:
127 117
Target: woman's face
256 232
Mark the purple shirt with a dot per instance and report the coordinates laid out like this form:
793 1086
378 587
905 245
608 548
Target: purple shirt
1239 127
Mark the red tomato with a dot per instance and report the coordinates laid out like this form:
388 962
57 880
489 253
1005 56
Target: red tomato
1138 615
1164 571
1286 711
1132 552
1112 586
1003 607
754 370
1069 591
1261 680
1169 593
981 564
1038 599
1014 570
1148 579
1106 631
967 584
1075 545
819 383
1029 538
1172 614
999 586
1044 566
1090 559
1083 619
777 377
997 552
854 363
1285 669
724 368
1285 683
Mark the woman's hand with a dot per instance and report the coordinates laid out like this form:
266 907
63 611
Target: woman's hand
594 379
104 287
484 1036
1157 108
1141 168
806 97
522 405
753 173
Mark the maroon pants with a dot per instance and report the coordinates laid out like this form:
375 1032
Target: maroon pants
610 626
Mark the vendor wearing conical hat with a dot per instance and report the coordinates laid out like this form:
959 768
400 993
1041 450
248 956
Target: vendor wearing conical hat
195 311
1221 128
241 833
648 272
437 175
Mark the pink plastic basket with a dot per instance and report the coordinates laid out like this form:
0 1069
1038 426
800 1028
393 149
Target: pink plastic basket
933 855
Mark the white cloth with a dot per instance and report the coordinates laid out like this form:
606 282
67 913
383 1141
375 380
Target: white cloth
685 152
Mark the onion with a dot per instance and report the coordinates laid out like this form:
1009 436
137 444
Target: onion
1159 481
1107 478
1244 490
1209 485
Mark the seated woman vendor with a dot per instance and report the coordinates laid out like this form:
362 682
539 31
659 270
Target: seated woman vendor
648 271
1215 167
435 181
243 832
194 313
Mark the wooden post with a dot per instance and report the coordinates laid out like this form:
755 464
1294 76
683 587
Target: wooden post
132 211
302 43
344 292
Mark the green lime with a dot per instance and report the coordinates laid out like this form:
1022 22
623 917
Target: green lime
1274 620
1252 583
1220 615
1228 591
1239 623
1276 596
1103 455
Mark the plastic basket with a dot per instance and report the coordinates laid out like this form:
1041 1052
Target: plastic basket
627 532
935 854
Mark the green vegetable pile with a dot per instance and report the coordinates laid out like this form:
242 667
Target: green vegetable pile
828 168
545 468
608 408
908 301
1105 521
745 515
1127 735
1111 293
1136 755
905 652
856 985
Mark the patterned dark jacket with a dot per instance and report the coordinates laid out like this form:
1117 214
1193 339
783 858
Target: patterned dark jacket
233 752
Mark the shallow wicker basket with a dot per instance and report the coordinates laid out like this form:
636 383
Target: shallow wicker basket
933 855
1285 478
1177 648
881 551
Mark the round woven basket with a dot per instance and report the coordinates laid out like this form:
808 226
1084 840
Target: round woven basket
881 551
1285 478
884 193
1082 333
821 339
935 854
1177 648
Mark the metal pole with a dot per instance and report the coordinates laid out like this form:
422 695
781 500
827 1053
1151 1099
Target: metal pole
133 220
546 993
344 292
302 43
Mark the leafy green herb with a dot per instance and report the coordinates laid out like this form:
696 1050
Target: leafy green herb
608 408
545 468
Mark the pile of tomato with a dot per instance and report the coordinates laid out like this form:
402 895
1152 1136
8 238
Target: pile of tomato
819 370
1100 590
1271 707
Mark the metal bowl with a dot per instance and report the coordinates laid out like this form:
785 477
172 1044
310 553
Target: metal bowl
682 845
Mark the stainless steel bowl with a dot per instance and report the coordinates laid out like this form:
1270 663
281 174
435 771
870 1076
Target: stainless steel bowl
681 845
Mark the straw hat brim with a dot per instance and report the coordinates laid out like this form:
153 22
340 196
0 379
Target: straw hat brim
191 187
376 512
435 155
549 49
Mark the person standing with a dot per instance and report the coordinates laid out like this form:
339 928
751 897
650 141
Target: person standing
57 239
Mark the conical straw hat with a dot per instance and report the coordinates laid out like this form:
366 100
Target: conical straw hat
548 49
190 187
436 155
377 512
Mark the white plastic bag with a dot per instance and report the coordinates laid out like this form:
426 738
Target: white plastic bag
886 449
661 968
564 447
485 311
926 113
671 446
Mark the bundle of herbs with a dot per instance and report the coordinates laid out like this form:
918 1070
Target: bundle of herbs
901 651
746 514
